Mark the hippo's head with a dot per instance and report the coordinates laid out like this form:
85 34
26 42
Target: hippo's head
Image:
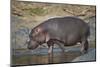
32 44
36 38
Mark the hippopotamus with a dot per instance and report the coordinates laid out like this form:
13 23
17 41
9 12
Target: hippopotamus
62 31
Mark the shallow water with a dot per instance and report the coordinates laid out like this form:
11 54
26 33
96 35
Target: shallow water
45 59
41 56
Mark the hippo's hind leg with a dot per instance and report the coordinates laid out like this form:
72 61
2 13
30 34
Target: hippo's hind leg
84 46
61 45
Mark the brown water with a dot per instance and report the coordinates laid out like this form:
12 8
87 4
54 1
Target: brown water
45 59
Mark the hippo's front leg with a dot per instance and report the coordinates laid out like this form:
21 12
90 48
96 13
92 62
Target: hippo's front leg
50 51
50 46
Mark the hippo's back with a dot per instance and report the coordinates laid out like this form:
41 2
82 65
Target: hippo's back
63 24
66 28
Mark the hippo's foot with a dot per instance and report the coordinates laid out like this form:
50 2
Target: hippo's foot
84 46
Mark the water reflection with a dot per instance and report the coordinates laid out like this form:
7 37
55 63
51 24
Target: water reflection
57 57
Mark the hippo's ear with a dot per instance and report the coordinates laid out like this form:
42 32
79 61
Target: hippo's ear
38 30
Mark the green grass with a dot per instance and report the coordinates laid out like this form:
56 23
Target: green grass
37 11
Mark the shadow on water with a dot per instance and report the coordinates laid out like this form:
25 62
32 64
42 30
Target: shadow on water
58 57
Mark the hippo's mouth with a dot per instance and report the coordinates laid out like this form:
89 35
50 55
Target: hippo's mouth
33 45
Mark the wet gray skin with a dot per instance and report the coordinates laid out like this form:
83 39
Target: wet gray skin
63 30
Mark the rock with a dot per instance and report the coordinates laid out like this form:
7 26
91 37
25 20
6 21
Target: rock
92 22
90 56
18 36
